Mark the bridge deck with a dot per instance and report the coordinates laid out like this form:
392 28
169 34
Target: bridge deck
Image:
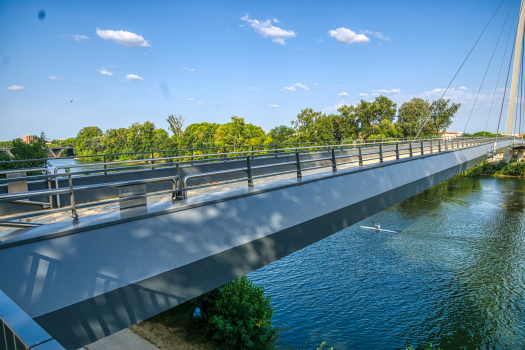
84 280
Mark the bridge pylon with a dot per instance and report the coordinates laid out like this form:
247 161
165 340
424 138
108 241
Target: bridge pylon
516 69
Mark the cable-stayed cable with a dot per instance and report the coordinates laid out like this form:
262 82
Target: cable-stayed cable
488 66
500 69
455 75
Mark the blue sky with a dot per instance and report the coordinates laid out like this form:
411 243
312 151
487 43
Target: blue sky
264 61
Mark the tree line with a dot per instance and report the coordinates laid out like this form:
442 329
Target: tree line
377 119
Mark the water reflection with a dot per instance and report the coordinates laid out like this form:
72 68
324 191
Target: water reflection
452 275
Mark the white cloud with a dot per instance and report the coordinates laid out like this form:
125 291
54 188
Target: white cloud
189 69
347 36
103 71
336 106
296 85
386 92
199 102
463 88
190 99
343 94
54 78
79 37
16 88
122 37
274 106
378 35
317 84
275 20
301 86
267 30
362 94
133 77
256 88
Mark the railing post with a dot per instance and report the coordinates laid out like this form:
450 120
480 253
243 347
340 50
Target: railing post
422 150
152 162
381 153
431 147
298 164
191 159
439 146
410 148
72 200
105 172
249 171
334 164
360 156
397 150
446 145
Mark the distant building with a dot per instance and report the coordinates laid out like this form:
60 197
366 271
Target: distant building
29 139
449 135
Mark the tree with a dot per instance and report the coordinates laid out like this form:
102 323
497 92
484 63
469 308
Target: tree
313 126
176 125
22 151
369 114
345 124
85 134
237 133
441 114
198 135
412 115
281 134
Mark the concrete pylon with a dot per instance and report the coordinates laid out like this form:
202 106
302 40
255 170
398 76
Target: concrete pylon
516 70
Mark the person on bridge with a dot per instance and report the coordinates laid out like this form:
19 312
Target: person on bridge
377 226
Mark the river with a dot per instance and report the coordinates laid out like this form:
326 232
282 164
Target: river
453 275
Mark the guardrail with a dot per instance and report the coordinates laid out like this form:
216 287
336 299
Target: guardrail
180 186
192 151
18 331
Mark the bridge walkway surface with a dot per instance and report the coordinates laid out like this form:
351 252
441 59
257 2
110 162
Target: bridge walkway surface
82 280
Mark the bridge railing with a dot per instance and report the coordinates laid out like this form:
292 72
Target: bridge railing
18 331
330 157
219 150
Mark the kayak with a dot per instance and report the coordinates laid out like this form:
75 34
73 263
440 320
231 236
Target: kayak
377 229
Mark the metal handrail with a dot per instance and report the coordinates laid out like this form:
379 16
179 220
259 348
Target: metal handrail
330 143
10 197
180 187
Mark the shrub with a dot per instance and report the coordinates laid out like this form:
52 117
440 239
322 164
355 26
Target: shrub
238 316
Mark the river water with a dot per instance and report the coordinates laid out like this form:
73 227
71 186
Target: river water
453 275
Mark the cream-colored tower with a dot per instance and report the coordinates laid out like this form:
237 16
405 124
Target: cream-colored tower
516 70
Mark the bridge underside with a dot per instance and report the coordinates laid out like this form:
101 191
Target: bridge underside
84 281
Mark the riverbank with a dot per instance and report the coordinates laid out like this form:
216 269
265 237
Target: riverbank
497 169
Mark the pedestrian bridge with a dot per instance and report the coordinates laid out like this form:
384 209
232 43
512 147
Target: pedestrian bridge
86 278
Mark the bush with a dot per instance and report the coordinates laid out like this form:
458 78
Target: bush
238 316
21 151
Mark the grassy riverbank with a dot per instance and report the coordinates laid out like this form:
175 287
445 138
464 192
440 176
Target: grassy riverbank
501 168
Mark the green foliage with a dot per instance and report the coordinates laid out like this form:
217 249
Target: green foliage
281 134
412 115
238 133
483 133
441 114
238 316
84 134
69 142
501 168
22 151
